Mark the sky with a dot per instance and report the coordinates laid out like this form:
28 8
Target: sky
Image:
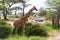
37 3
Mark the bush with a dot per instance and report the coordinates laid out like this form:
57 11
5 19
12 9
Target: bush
20 29
2 22
56 26
16 16
0 17
5 30
34 30
47 24
12 16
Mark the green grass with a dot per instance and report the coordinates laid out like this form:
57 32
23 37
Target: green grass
50 30
17 37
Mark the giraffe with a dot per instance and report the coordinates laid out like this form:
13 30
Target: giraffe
22 21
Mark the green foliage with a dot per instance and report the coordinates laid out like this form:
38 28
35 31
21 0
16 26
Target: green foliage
1 8
16 16
9 1
37 30
13 16
47 24
17 37
2 22
0 17
54 4
56 26
49 14
5 29
20 30
42 12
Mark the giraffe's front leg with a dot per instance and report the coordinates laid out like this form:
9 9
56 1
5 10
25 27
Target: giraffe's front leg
23 29
15 30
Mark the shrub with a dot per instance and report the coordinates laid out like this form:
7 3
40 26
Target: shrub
5 30
2 22
0 17
12 16
36 30
27 28
47 24
16 16
20 29
56 26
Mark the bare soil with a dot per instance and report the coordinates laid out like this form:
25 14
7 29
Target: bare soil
55 37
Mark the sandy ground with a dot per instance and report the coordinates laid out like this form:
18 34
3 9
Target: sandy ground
55 37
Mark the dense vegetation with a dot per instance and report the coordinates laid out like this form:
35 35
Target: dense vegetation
34 30
5 29
41 31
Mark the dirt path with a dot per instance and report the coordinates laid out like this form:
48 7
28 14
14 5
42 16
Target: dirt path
55 37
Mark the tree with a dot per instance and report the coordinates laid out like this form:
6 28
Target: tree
16 9
4 14
55 5
42 12
7 10
24 5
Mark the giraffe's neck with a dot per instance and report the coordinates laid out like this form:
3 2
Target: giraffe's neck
27 14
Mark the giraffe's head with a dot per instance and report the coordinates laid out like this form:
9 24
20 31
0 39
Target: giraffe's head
34 8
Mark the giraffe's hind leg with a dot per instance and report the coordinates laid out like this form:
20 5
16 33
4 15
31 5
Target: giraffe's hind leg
23 28
15 30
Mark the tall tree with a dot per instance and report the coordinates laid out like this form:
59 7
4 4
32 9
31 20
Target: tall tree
42 12
24 5
55 5
5 9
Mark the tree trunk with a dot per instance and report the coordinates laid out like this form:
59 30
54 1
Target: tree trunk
58 19
5 16
15 12
23 8
53 21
